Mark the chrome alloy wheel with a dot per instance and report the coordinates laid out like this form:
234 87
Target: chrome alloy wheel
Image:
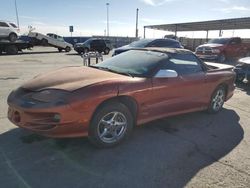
218 100
112 127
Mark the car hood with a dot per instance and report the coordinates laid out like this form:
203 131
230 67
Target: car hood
71 78
211 45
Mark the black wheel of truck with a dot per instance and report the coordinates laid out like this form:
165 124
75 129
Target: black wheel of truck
59 49
12 37
44 42
222 58
106 51
11 50
67 49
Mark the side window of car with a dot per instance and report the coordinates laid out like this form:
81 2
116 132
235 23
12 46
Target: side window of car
184 64
2 24
235 41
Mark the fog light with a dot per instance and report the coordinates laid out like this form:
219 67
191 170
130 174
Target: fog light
57 118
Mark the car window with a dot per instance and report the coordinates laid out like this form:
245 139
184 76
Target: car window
183 64
3 24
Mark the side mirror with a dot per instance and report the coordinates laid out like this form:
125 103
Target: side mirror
166 74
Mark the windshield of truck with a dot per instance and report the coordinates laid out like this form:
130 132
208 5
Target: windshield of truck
219 41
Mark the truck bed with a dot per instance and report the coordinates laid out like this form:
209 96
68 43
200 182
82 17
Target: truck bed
218 66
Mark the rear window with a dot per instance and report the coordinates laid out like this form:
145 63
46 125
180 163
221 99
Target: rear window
13 25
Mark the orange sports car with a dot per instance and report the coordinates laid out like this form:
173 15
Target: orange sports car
105 101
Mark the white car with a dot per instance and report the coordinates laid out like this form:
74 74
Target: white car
52 40
8 30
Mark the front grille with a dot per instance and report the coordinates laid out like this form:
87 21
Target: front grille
204 50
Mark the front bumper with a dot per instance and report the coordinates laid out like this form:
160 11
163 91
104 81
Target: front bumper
45 121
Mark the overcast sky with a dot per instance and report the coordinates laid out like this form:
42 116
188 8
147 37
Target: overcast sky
89 16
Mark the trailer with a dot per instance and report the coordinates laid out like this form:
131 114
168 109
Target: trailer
12 48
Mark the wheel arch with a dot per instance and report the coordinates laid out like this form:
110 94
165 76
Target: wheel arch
128 101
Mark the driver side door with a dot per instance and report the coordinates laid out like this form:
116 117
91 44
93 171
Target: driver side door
184 93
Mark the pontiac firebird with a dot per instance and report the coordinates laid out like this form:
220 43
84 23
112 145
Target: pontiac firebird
105 101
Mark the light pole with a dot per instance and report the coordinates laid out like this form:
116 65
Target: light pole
136 24
17 15
107 4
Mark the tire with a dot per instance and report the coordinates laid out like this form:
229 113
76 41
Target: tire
12 37
217 100
106 51
44 42
59 49
240 78
11 50
222 58
85 50
67 49
111 124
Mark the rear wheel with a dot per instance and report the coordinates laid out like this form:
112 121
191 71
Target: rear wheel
44 42
60 49
67 49
111 124
12 37
217 100
11 50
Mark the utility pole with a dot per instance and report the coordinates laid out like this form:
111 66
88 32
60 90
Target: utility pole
107 4
17 19
136 26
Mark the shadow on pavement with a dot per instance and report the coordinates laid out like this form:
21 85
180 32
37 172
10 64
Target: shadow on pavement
163 153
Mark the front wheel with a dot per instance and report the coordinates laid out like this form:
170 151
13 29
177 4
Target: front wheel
111 124
106 51
217 100
12 37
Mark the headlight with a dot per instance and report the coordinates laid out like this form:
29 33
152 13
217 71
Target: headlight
216 51
51 95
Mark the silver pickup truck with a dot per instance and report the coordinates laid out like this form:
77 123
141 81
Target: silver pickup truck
52 40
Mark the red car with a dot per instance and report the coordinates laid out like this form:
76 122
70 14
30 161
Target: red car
222 48
105 101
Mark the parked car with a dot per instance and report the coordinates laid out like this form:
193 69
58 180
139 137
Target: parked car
94 44
242 69
105 101
8 30
52 40
222 48
143 43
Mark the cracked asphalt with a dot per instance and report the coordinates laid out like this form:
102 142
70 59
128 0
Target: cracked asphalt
191 150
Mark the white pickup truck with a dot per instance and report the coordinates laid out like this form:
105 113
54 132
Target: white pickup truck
52 40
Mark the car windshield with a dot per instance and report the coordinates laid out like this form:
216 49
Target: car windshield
219 41
141 43
87 41
138 63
